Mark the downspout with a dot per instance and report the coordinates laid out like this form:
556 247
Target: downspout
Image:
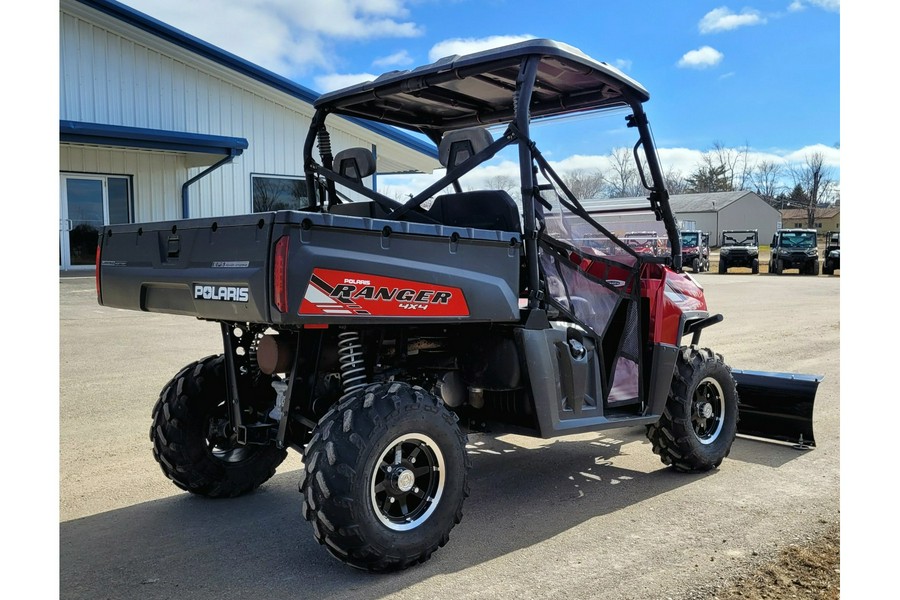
185 210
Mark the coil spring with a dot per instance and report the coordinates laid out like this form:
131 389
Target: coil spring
324 139
353 372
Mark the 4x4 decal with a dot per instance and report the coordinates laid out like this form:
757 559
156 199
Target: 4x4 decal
332 292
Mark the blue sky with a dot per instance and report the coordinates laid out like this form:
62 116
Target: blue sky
764 75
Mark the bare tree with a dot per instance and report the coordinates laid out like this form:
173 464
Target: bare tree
584 185
506 183
265 195
676 182
816 180
766 179
623 180
735 162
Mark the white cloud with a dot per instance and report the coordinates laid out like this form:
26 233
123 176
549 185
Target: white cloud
676 159
701 58
830 5
622 64
397 59
830 154
722 19
336 81
289 37
462 46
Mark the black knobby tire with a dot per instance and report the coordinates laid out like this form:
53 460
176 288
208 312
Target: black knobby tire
189 436
363 454
696 265
754 267
778 269
699 423
827 269
722 267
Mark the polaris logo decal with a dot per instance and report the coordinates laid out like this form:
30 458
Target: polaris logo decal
225 293
354 294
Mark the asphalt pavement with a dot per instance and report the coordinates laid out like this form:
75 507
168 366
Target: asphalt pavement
593 516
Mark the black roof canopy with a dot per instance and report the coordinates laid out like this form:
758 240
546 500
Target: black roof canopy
479 89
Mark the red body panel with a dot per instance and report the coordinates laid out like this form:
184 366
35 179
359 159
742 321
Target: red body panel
671 294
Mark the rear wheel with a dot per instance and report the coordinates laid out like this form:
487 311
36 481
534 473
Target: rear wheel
192 438
386 477
699 423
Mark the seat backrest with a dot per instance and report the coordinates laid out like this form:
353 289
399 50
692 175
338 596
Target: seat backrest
481 209
354 163
457 146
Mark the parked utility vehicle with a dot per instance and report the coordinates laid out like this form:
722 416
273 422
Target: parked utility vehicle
739 248
366 334
795 249
832 253
695 250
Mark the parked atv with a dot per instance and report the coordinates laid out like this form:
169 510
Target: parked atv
794 249
695 250
649 243
366 334
739 248
832 253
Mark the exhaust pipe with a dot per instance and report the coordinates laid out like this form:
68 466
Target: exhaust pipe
777 406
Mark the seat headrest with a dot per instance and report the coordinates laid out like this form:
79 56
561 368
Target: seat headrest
355 163
457 146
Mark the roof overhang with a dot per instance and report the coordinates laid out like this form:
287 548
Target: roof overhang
200 149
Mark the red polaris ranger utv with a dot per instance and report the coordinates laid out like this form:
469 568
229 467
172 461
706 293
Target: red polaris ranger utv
365 333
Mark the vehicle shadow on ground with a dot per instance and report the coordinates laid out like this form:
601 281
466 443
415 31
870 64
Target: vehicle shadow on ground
200 548
764 453
189 546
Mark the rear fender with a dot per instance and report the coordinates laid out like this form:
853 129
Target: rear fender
777 406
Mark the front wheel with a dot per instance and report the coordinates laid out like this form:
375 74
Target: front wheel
698 425
777 267
722 267
385 477
754 266
192 438
696 265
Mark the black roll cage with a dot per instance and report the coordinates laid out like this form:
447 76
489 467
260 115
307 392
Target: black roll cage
322 177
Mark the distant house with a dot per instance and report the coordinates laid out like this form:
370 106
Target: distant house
156 124
827 219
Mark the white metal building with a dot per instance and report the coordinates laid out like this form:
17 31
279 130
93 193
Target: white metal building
712 212
156 124
715 212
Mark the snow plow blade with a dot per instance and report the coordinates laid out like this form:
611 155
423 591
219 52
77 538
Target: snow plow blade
777 406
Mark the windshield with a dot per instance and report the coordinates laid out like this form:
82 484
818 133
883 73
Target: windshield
798 239
690 239
739 238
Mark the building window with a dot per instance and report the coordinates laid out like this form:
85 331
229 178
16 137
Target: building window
819 225
798 225
278 192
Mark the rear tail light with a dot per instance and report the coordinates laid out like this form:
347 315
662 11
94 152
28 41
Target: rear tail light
279 274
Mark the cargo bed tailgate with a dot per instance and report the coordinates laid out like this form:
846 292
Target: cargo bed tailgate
216 268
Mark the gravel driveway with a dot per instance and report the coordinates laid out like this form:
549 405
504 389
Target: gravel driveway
592 516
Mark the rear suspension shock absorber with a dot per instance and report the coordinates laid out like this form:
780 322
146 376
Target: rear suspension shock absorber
353 371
